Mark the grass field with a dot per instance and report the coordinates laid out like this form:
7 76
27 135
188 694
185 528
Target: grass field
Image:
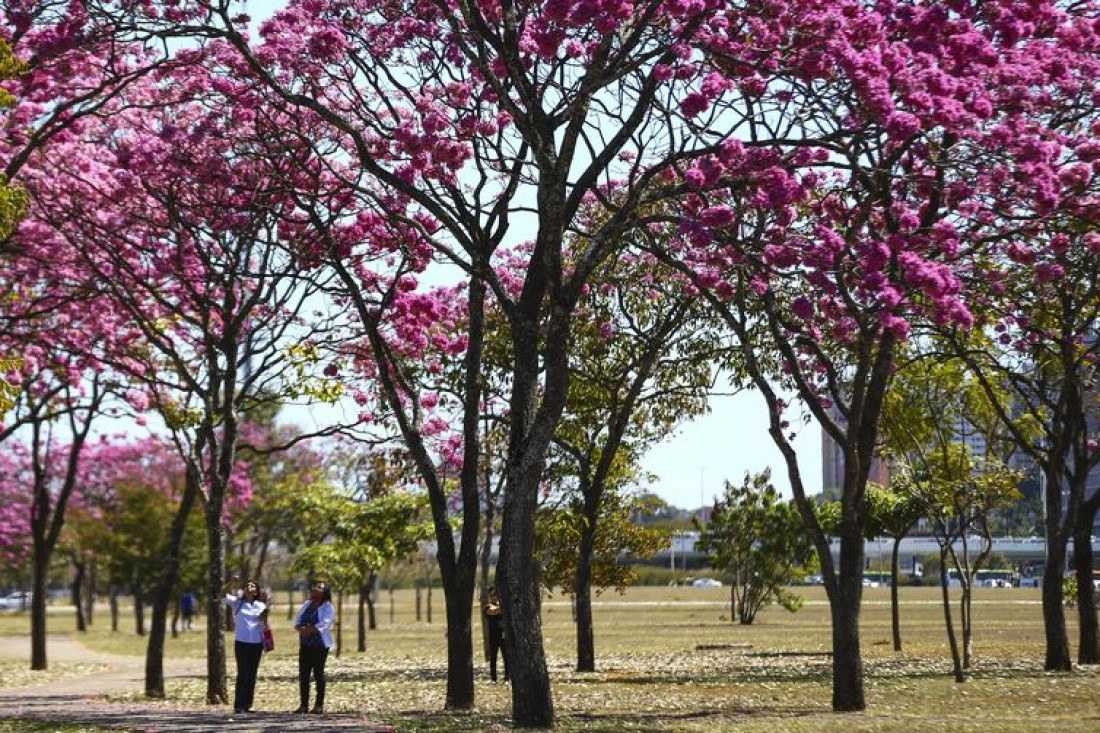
771 677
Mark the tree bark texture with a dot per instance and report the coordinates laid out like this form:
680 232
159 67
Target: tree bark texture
895 616
77 588
586 642
1088 649
956 660
165 591
844 604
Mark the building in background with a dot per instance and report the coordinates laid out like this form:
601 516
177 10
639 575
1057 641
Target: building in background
832 462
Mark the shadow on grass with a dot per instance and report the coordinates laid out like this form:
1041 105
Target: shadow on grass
716 717
801 674
80 710
431 674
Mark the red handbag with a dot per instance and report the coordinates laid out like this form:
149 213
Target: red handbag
268 639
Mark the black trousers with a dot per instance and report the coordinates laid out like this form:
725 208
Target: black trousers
311 660
496 643
248 665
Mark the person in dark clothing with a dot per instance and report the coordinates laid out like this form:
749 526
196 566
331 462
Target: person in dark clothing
314 625
494 619
188 603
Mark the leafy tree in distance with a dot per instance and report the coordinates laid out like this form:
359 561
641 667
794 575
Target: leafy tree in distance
643 360
614 536
891 511
759 540
934 406
364 537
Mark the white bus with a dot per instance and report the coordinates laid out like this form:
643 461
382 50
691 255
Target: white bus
991 578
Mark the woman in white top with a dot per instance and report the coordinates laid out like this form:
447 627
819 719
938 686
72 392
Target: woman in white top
249 618
314 625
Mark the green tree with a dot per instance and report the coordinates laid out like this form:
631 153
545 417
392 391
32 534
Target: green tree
643 358
558 532
13 198
760 541
934 407
891 512
362 537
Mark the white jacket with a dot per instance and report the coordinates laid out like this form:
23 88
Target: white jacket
326 617
248 619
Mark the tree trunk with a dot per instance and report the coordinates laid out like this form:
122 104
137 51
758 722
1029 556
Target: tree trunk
77 593
429 600
262 561
175 618
362 625
290 603
372 618
216 685
40 570
339 622
391 605
532 701
967 626
418 601
586 642
1088 650
895 616
485 557
733 600
844 604
139 612
956 662
112 602
458 599
1054 617
90 590
154 652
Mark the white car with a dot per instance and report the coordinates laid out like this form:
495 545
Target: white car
15 601
706 583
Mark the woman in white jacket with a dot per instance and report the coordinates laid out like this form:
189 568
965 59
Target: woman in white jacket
314 625
249 608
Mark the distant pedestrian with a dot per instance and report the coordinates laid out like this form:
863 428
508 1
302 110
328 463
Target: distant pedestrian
250 620
314 625
188 605
494 619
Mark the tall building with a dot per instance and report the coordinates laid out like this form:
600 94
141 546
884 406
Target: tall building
832 461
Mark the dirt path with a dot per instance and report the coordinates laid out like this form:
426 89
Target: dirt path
80 699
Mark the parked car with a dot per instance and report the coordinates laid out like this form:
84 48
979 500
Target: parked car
868 583
815 580
16 601
706 583
996 583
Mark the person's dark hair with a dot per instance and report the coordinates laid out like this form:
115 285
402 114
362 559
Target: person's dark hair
326 590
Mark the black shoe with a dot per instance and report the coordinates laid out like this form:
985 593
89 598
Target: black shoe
302 710
317 710
239 711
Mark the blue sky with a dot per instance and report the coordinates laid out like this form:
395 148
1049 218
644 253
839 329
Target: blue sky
730 440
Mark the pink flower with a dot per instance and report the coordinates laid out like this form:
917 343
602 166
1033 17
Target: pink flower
694 104
803 308
717 216
902 125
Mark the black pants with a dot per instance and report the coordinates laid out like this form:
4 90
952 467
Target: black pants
248 664
311 660
496 643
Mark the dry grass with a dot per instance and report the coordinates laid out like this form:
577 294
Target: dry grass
653 678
